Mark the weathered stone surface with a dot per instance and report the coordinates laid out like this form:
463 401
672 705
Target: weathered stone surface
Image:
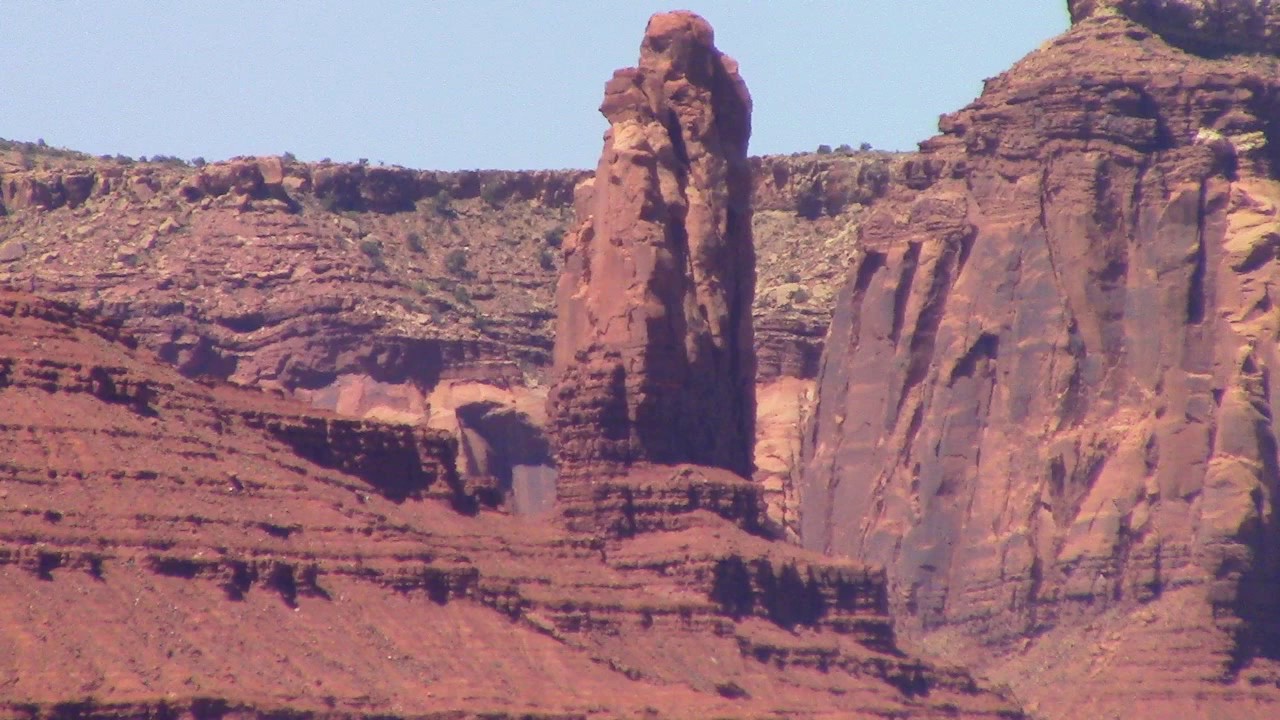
1046 397
229 553
1212 26
782 407
653 356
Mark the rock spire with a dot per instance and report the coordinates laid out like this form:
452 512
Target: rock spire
653 354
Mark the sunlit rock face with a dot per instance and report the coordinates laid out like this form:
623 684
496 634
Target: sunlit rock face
653 355
1207 26
1046 394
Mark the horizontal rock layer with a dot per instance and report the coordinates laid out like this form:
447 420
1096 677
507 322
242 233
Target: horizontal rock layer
172 547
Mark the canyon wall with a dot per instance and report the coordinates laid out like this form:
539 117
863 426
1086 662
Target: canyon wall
1045 403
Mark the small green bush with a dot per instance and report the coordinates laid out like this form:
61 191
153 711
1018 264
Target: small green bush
553 237
374 250
414 241
546 259
456 262
443 204
492 193
169 160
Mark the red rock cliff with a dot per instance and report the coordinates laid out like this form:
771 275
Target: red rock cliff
653 353
1045 404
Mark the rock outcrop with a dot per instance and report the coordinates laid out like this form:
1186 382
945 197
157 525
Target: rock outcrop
1045 404
1215 27
174 548
653 355
385 292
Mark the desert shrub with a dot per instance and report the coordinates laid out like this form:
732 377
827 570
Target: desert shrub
792 277
443 204
491 192
553 237
546 259
845 149
374 250
865 147
169 160
800 295
456 262
414 241
824 149
198 162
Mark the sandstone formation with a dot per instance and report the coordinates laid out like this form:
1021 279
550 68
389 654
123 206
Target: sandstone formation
187 257
1215 27
387 293
1045 404
300 277
171 548
653 355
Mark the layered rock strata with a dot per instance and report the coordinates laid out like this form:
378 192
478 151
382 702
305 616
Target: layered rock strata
1215 27
1045 403
171 548
268 271
391 293
653 355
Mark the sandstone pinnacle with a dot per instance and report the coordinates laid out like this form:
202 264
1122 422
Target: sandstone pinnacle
653 354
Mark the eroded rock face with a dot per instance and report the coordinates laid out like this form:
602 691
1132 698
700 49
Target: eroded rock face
653 355
1212 26
1046 394
222 549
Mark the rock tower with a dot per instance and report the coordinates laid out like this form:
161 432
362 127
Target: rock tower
653 353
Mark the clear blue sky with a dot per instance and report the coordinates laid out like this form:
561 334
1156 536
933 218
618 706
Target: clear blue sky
476 83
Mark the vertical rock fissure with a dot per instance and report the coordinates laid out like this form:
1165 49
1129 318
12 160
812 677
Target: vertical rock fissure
903 291
1196 289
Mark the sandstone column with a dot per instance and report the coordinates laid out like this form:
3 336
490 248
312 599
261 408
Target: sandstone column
654 360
